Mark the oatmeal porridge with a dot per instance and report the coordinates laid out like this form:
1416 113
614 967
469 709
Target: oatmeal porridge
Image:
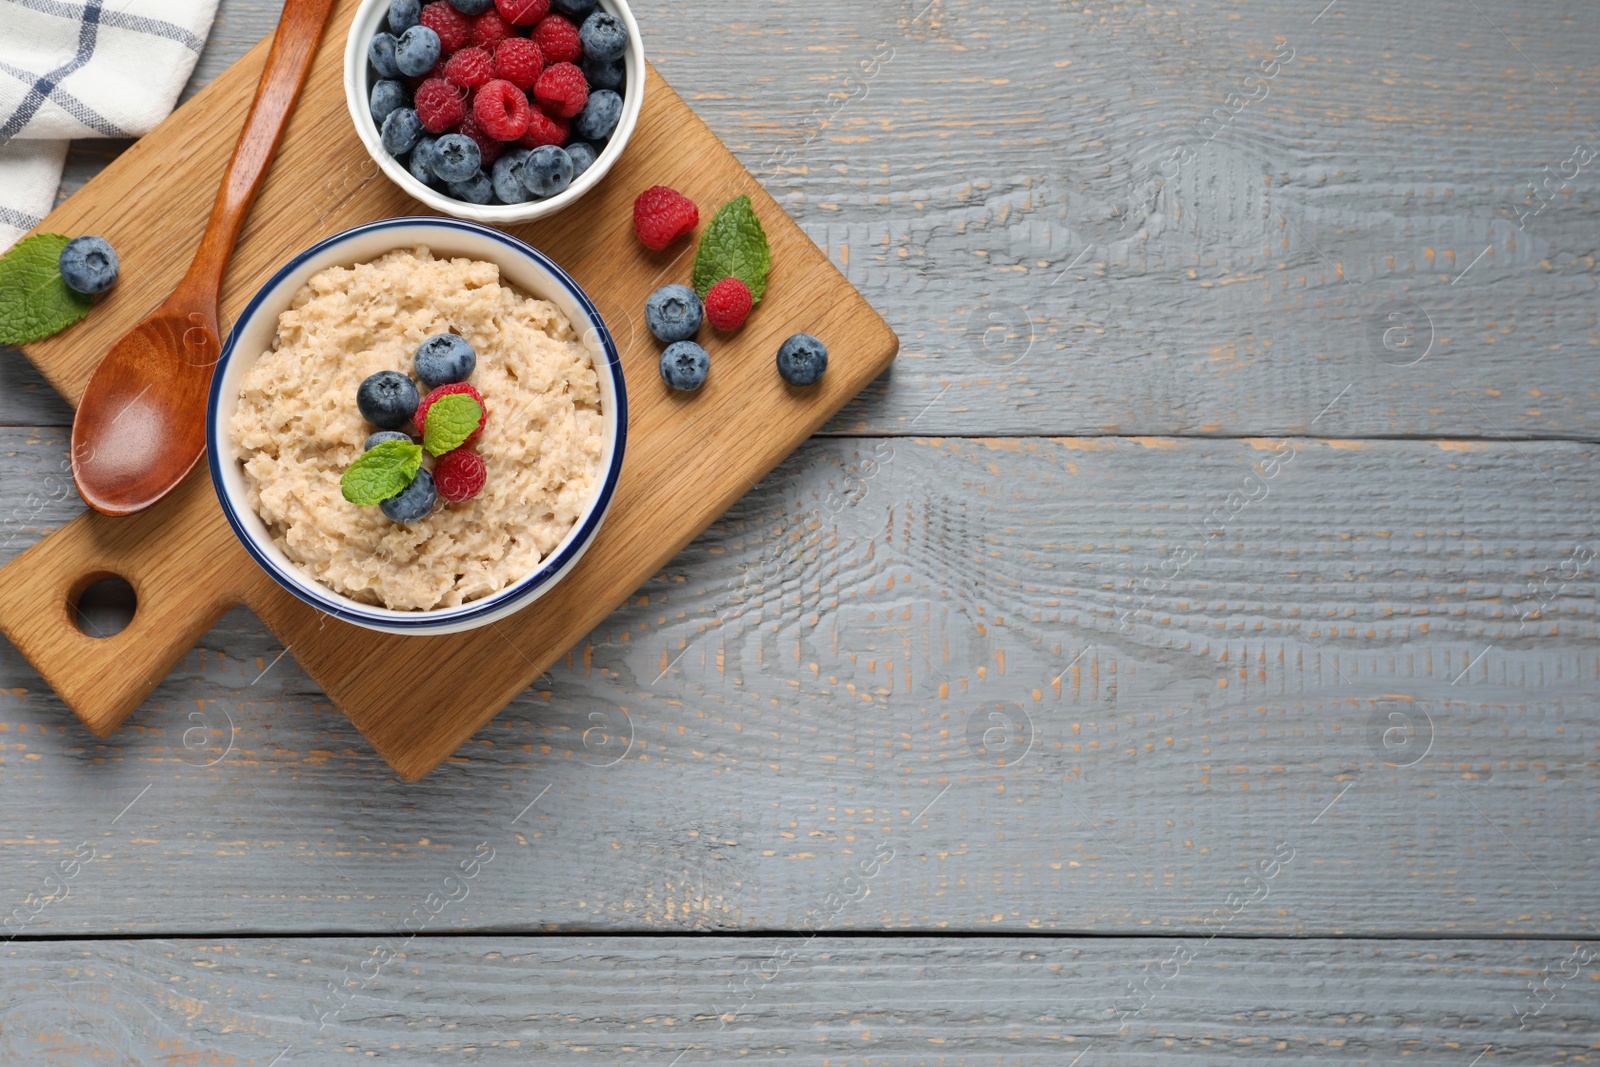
297 430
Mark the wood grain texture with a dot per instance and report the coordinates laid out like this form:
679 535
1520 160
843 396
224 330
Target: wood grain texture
685 464
1377 661
836 1001
983 157
1445 580
1007 159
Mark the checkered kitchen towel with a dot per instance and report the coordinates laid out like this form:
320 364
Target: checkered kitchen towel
83 68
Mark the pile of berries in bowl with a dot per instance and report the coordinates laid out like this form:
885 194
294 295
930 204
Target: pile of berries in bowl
499 111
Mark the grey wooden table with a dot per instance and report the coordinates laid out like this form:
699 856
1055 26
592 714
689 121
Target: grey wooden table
1186 653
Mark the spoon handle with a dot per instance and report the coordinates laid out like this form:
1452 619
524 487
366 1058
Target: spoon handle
293 47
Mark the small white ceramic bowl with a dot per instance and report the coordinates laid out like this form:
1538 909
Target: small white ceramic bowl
253 333
371 17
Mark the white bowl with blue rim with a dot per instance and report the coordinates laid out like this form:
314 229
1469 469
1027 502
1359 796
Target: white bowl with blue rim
371 17
252 335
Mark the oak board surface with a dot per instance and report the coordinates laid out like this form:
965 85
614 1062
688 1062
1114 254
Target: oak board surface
688 458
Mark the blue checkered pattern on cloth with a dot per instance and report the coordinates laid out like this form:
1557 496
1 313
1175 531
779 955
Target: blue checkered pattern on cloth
83 68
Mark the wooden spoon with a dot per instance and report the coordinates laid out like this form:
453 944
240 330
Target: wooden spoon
140 426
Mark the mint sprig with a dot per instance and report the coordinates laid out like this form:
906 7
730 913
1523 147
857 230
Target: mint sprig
34 301
733 246
381 472
450 421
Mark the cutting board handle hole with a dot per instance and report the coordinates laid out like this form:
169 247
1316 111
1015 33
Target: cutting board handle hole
103 605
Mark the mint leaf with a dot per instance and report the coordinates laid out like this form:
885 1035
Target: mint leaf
34 301
733 246
381 472
451 420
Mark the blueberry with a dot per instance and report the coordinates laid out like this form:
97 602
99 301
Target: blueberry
599 115
547 171
89 265
582 155
401 131
381 53
421 164
802 359
575 10
445 358
472 7
416 51
385 435
387 94
456 157
684 365
404 14
603 37
507 178
414 501
387 399
673 313
475 190
604 75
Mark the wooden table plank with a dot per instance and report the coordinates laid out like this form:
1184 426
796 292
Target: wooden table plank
958 164
1385 659
837 1001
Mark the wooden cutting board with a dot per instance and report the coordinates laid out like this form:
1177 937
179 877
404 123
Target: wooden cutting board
688 458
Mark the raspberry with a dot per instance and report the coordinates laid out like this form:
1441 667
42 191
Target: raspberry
489 29
489 149
543 130
523 12
662 215
440 105
558 40
452 26
446 390
561 90
501 110
470 67
459 475
518 61
727 304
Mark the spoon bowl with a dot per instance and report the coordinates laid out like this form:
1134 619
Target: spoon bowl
140 426
136 434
